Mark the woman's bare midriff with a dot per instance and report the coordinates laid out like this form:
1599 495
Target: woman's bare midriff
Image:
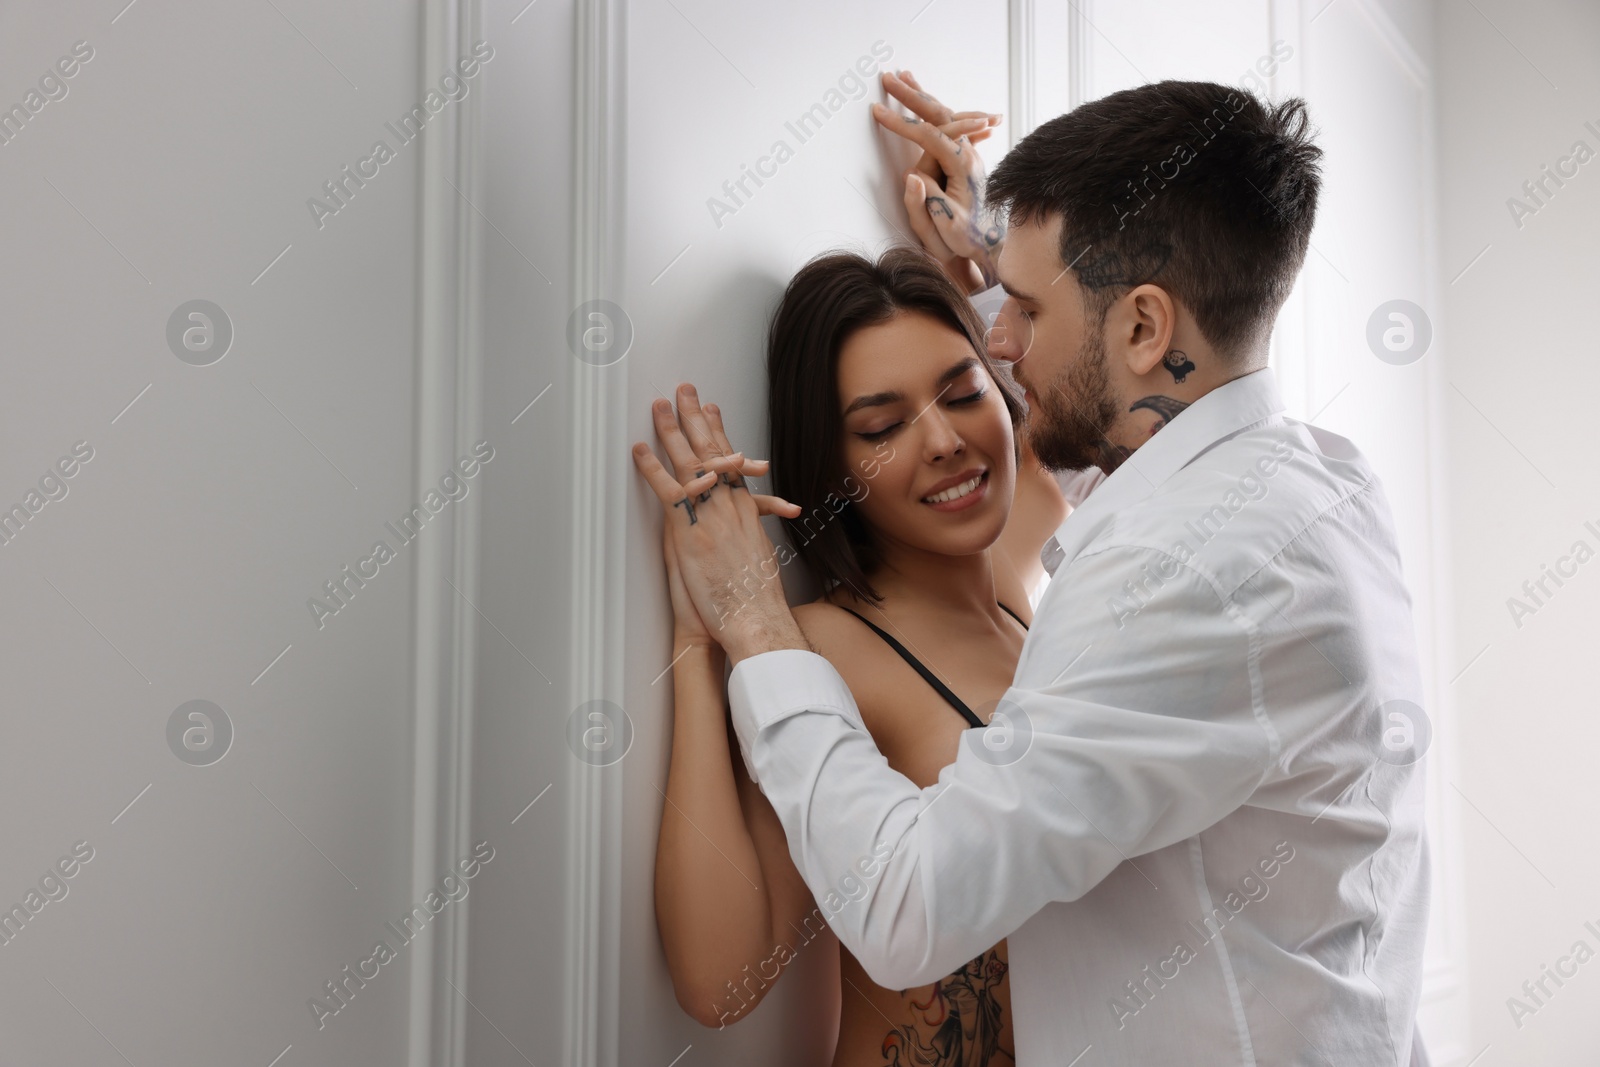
964 1020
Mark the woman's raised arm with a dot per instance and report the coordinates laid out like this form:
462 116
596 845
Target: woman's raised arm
711 902
723 893
727 893
1037 509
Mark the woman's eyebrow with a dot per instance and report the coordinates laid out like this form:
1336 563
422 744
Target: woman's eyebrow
891 396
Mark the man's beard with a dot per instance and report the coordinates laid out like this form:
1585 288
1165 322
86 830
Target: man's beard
1070 417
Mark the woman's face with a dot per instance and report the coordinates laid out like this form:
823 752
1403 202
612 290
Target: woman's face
924 423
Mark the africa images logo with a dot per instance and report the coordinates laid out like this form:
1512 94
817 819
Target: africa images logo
805 126
1143 988
342 588
453 87
342 988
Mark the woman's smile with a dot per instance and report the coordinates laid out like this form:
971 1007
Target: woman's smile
963 495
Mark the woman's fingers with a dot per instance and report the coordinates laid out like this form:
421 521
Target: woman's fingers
766 504
929 168
752 468
733 461
919 103
977 127
904 87
672 493
776 505
910 80
956 127
911 95
946 152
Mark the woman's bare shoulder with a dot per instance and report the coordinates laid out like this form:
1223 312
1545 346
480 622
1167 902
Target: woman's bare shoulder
837 636
823 622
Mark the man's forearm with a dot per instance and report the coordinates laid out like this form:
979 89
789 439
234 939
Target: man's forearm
746 633
850 820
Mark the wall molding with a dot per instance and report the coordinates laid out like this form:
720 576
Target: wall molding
1080 52
1394 40
600 475
1022 34
1445 983
1295 378
448 421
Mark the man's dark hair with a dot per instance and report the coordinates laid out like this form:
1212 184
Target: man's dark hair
1196 187
827 301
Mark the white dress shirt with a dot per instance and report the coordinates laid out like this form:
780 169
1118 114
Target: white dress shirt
1200 821
1075 486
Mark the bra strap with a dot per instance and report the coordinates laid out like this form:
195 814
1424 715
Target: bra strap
942 689
1013 614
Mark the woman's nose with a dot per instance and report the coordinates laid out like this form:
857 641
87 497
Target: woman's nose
939 437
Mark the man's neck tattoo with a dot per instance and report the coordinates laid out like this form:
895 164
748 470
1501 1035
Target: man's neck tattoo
1165 407
1179 364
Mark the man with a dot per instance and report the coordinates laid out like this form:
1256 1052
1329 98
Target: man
1197 813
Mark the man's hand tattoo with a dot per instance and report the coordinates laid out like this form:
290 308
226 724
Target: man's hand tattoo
703 497
986 230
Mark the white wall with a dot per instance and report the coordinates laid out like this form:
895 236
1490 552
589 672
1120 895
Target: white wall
220 498
179 565
1517 83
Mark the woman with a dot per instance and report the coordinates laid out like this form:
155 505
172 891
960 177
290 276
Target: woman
897 437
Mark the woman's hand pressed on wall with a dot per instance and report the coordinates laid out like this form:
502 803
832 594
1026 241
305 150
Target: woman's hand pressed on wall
713 543
687 626
944 191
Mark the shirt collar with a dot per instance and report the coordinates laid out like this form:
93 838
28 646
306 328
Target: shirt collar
1221 413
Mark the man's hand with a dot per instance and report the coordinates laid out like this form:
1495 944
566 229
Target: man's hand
726 562
944 191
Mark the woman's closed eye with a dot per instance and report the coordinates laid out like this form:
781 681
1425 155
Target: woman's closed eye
970 398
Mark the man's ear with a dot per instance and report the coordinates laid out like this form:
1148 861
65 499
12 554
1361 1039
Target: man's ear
1146 320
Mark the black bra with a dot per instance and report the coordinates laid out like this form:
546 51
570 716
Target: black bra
942 689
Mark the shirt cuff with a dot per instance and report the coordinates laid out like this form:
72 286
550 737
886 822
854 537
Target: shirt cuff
766 688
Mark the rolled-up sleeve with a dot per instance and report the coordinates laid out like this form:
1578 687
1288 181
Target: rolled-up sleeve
1119 737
